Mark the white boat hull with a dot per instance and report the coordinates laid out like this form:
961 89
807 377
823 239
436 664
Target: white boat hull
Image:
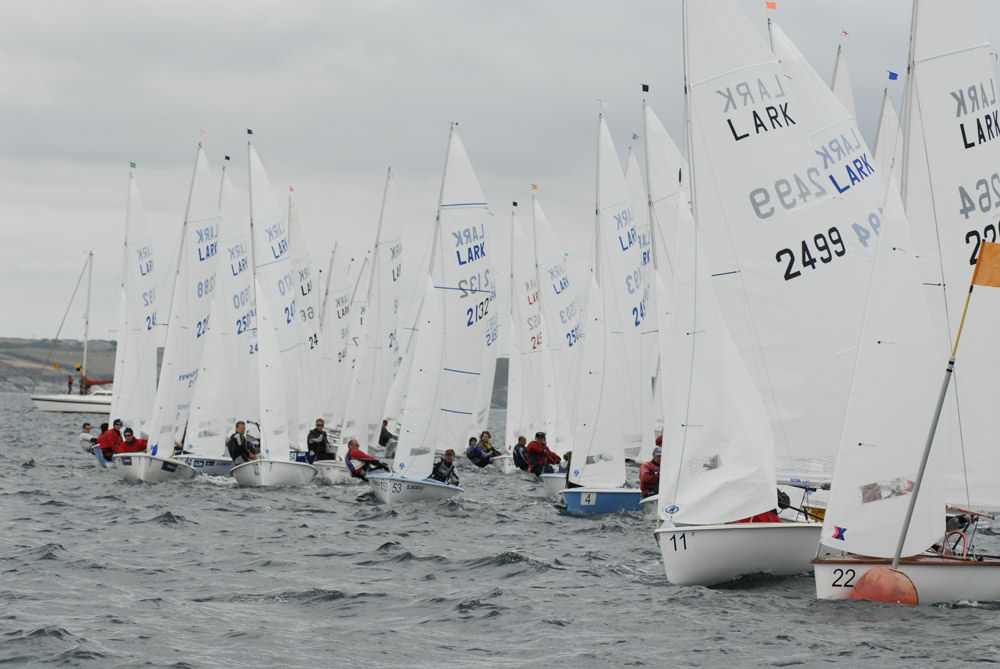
553 484
135 467
207 466
711 554
70 403
504 463
393 488
334 471
936 578
272 474
650 503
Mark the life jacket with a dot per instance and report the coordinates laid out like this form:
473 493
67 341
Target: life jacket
520 456
478 456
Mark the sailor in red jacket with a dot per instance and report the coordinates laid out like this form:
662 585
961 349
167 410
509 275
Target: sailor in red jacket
360 463
540 457
110 439
649 473
129 444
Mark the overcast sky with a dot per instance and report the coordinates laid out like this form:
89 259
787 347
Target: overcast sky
335 92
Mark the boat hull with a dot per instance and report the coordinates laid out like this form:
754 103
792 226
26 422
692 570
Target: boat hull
393 488
936 578
712 554
73 403
504 463
99 457
207 466
553 483
335 472
135 467
587 501
272 474
650 503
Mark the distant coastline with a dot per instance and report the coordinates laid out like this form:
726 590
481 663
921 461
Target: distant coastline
21 361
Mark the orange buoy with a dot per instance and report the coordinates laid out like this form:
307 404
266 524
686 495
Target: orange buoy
884 584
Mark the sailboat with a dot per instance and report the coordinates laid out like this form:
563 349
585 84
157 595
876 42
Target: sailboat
278 338
226 388
187 330
840 82
788 303
451 372
98 400
607 418
946 153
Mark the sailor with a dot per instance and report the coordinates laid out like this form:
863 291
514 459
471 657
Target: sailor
520 453
87 440
110 438
385 436
649 474
69 384
129 444
540 458
319 447
480 456
360 463
444 468
238 447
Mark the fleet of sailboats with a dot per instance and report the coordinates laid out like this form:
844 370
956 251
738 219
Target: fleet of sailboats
776 305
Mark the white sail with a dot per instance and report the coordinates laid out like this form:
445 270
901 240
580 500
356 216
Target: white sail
649 351
888 145
190 311
718 466
623 285
378 342
226 390
951 191
278 334
530 391
840 83
896 381
310 353
135 356
598 457
562 315
418 433
789 263
336 365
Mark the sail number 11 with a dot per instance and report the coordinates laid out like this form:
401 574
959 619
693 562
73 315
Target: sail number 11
679 540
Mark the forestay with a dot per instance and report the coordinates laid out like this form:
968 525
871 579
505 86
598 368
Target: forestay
378 342
190 309
951 190
888 145
135 357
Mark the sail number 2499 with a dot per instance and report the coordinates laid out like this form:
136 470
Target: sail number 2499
827 246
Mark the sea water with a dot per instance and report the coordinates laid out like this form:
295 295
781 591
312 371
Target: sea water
97 572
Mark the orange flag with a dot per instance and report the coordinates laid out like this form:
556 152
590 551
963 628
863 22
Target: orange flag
771 5
988 266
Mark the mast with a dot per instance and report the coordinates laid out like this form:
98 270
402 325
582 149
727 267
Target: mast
597 200
908 102
437 217
86 318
